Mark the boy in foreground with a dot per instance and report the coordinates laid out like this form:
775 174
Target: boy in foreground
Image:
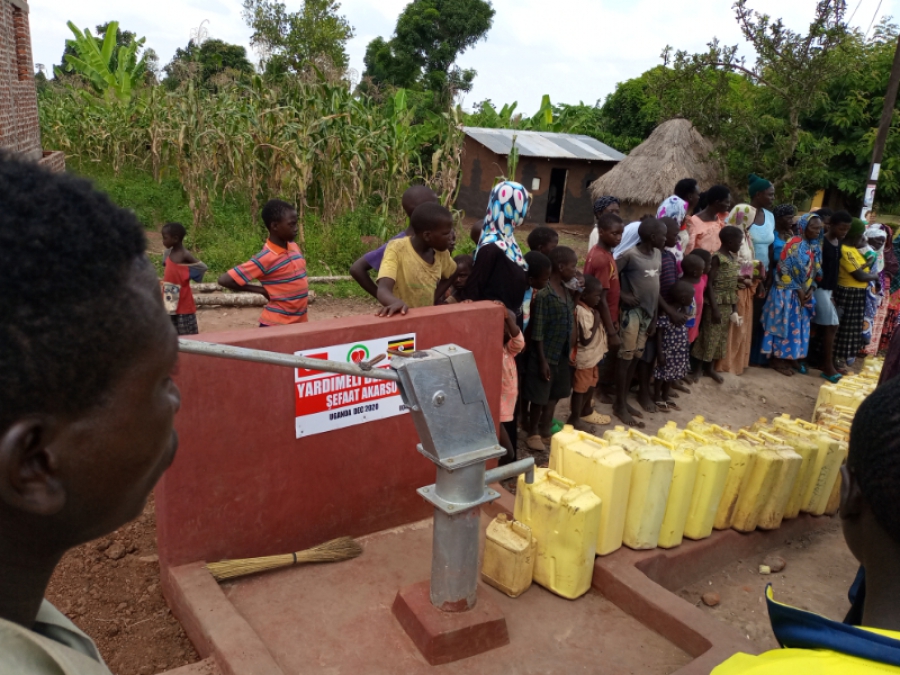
86 398
414 195
280 267
413 266
869 639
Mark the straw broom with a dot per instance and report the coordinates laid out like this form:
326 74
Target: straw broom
344 548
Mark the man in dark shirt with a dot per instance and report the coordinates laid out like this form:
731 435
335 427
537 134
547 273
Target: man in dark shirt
826 312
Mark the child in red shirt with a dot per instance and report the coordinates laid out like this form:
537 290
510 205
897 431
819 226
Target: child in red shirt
181 267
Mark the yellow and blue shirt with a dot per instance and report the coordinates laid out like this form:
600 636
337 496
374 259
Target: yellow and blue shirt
816 645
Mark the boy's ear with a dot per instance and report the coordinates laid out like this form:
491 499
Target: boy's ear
29 467
851 495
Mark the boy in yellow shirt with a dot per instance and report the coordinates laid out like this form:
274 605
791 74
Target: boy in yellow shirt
413 266
869 639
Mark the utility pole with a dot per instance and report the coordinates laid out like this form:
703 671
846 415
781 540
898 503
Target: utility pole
887 114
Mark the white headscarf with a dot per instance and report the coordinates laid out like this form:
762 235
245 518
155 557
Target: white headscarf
630 239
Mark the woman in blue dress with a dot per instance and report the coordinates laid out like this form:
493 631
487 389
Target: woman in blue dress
790 305
762 236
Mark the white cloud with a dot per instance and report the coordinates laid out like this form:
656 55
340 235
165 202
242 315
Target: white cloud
574 50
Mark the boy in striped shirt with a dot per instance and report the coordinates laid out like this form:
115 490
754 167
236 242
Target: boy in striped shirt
280 267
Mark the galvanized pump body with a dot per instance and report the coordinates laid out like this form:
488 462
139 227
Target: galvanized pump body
445 396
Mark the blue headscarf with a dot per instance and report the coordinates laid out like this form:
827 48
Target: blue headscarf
506 211
801 259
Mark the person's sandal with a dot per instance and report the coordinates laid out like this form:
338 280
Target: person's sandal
536 444
597 418
834 379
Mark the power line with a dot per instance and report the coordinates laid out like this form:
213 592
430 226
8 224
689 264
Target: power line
872 23
854 13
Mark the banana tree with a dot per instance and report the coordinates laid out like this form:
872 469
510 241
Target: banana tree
95 62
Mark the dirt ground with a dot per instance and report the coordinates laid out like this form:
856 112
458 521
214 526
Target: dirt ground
819 571
111 590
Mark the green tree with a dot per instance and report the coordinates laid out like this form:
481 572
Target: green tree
291 41
764 135
111 69
206 61
429 38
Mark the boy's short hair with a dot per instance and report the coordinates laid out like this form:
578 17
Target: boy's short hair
730 233
561 255
175 229
541 236
648 226
840 217
60 347
538 263
592 283
429 216
703 254
693 259
875 454
275 210
824 213
464 259
609 220
682 285
416 195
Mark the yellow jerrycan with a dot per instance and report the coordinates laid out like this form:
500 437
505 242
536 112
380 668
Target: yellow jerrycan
712 475
670 432
833 453
802 442
509 553
565 518
758 485
834 501
684 478
651 479
603 467
773 510
742 456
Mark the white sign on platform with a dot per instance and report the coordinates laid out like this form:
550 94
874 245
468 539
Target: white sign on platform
328 401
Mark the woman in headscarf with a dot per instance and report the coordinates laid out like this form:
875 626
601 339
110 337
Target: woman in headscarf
878 238
704 227
499 272
740 333
892 318
790 305
676 208
608 204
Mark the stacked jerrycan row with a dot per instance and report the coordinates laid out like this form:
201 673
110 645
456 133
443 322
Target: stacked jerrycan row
849 392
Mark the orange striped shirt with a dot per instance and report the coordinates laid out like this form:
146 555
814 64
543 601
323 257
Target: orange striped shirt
282 272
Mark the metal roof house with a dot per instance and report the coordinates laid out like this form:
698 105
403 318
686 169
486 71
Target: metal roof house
558 170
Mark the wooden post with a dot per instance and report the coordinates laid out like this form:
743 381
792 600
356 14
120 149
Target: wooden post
887 114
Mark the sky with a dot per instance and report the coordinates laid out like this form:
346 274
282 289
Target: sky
573 50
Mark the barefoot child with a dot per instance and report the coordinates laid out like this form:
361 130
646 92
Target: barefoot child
590 350
639 269
181 267
413 266
414 195
280 267
601 264
673 348
513 344
548 377
720 302
695 270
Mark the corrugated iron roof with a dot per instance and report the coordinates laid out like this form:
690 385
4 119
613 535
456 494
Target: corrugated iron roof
544 144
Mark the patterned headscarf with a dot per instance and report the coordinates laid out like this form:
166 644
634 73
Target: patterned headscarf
784 210
601 204
673 207
742 216
801 259
506 211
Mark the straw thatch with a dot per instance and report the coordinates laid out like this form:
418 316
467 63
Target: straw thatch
648 175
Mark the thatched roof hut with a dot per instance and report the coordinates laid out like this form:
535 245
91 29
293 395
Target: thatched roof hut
648 175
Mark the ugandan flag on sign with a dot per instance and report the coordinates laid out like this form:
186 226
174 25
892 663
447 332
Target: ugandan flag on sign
407 344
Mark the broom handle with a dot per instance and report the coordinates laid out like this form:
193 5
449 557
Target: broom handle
279 359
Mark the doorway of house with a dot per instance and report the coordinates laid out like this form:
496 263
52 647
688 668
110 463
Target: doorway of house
556 194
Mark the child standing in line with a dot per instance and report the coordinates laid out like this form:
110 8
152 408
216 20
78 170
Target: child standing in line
539 267
414 195
601 264
854 277
720 302
591 348
453 292
543 239
513 344
548 377
280 267
181 267
673 361
413 266
695 268
639 271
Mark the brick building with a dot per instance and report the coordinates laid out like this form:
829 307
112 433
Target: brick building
558 170
19 127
